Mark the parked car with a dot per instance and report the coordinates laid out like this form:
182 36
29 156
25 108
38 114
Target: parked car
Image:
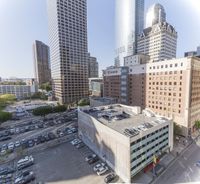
109 178
11 146
198 163
75 142
25 159
78 146
25 165
51 135
17 144
102 170
6 170
93 160
5 138
97 166
25 178
90 157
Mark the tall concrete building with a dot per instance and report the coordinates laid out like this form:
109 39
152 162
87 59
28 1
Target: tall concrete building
170 88
159 41
129 24
155 14
93 67
69 49
41 62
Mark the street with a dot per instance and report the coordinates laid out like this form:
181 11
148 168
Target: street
184 169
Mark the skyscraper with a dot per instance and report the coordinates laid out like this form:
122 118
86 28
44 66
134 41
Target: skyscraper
159 41
41 62
69 49
93 67
129 24
155 14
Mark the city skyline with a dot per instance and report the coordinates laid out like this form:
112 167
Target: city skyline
100 31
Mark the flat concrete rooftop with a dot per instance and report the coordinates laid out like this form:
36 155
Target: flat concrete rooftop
121 117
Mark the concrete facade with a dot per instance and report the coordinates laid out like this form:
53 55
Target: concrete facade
170 88
158 41
69 49
125 154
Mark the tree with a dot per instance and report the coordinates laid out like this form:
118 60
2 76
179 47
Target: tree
46 86
177 129
39 95
197 124
5 116
59 108
83 102
42 111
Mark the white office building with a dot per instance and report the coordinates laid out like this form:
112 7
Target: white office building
159 42
124 137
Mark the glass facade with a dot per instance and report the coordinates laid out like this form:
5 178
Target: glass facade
143 149
129 24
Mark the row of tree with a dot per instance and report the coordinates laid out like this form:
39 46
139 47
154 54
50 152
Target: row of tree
43 111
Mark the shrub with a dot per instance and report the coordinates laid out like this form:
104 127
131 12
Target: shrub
5 116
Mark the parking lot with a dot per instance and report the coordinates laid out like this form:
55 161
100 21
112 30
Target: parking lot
66 164
56 160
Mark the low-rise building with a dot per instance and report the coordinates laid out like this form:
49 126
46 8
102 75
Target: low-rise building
101 101
96 87
124 137
20 91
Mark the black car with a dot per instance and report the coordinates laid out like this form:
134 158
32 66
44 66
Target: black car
5 138
93 160
109 178
51 135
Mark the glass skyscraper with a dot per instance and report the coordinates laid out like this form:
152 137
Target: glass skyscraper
129 24
156 14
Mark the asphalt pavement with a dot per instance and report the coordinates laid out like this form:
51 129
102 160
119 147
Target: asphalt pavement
184 169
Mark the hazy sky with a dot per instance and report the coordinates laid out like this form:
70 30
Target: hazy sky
23 21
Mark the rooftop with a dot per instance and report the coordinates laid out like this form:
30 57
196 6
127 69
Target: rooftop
126 120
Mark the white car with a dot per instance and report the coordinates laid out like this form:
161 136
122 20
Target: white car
102 170
75 142
97 166
17 144
25 159
11 146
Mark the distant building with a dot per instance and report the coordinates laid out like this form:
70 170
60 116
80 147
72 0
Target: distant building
69 49
41 62
126 138
129 24
93 67
136 60
193 53
169 88
155 14
96 86
198 51
101 101
159 42
20 91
